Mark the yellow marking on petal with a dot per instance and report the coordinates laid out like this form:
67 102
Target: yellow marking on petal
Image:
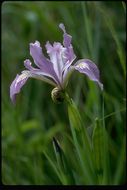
22 76
82 66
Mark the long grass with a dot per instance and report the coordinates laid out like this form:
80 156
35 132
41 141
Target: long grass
81 141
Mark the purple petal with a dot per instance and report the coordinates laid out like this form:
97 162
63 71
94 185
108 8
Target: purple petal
43 63
17 84
67 37
56 54
67 43
39 58
87 67
28 65
66 75
39 72
21 79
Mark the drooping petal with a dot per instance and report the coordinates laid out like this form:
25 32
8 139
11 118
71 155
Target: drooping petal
21 79
41 76
87 67
41 61
17 84
69 54
28 65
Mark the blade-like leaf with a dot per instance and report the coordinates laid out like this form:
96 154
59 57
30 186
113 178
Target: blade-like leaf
98 145
81 142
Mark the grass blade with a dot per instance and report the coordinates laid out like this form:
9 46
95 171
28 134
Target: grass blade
98 145
106 168
120 164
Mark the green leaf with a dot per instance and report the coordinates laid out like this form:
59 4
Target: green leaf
74 115
98 145
62 162
55 168
120 163
81 143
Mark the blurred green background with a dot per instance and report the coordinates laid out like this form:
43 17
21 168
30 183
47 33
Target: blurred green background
98 31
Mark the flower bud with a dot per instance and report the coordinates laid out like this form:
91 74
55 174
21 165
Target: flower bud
57 95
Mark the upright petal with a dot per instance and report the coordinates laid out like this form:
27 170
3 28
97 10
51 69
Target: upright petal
87 67
36 53
41 61
67 37
67 44
56 54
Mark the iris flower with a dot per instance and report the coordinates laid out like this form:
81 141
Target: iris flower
56 69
